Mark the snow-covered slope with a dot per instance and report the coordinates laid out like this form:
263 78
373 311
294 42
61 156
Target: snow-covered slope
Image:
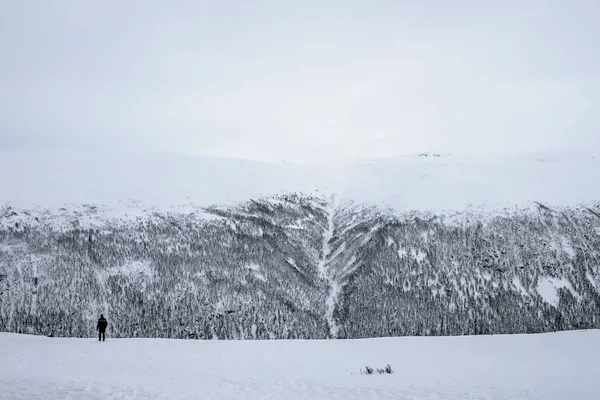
421 182
384 248
549 366
446 182
53 180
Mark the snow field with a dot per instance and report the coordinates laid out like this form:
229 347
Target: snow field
547 367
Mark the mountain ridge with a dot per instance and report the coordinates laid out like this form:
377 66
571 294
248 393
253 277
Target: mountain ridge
305 264
54 180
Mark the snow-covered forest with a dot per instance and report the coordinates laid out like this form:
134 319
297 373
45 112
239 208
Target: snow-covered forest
299 266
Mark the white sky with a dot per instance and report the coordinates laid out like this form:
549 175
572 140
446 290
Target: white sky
300 80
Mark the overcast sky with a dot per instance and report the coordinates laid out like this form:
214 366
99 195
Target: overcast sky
300 80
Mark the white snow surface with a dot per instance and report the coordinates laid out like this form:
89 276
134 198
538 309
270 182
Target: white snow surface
40 180
516 281
554 366
334 287
139 268
548 287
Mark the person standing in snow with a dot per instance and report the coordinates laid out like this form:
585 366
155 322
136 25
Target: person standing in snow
101 327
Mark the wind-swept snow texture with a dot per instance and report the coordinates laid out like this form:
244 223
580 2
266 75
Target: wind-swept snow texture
555 366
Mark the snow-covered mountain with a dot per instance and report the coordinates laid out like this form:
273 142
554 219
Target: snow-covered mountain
174 246
422 182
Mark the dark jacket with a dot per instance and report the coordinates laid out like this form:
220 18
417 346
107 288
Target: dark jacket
102 324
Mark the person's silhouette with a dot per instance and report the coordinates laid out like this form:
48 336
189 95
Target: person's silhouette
101 327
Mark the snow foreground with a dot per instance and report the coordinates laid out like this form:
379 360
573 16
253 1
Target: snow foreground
547 366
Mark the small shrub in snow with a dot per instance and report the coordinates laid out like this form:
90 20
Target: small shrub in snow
370 371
